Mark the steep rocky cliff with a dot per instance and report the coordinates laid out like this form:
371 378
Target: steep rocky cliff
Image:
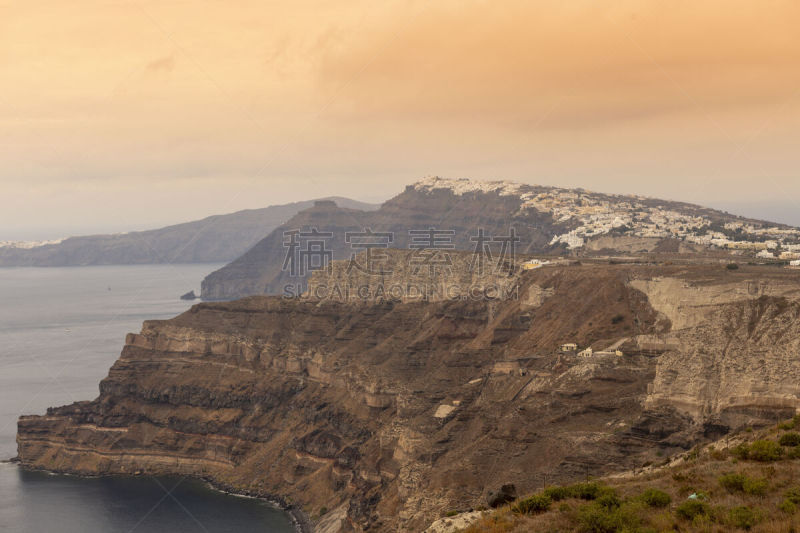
408 275
545 220
262 269
389 413
734 345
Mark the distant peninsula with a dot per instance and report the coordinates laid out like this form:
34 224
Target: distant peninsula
214 239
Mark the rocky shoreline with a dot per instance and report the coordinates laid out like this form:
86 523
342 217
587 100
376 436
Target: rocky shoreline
300 520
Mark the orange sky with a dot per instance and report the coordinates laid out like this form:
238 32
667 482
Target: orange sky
122 115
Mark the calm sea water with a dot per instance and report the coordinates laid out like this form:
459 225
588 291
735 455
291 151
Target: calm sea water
60 331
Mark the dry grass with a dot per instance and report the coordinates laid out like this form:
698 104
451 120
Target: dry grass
734 506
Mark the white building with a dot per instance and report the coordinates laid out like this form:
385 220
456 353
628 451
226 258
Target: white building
534 263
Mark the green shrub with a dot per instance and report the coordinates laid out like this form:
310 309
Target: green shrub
744 517
786 425
764 450
794 453
538 503
793 495
656 498
732 266
596 518
587 491
447 514
742 483
609 501
557 494
788 506
740 451
790 439
584 491
733 482
756 487
692 509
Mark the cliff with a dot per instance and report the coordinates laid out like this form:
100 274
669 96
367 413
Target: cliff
389 413
411 275
545 220
261 270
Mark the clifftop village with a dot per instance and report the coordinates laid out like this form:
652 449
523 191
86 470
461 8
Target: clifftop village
597 216
593 215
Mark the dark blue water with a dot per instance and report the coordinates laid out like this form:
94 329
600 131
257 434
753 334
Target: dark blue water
60 331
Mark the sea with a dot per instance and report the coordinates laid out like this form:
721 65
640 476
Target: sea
61 329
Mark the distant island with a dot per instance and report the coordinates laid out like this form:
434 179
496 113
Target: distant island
214 239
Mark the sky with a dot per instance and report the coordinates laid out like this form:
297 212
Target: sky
124 115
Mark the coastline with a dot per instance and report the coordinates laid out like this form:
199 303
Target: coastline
300 520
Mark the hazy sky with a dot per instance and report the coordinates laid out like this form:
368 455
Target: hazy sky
134 114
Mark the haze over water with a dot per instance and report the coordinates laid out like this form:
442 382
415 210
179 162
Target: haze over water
60 331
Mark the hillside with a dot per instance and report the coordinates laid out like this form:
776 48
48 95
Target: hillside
214 239
746 482
383 414
546 220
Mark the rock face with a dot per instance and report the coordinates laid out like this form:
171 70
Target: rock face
734 344
390 413
213 239
545 220
454 523
408 275
260 270
505 494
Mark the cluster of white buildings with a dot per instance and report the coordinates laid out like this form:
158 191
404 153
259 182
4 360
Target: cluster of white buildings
595 214
28 245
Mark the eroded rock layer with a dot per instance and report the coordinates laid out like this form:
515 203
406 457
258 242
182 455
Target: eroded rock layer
388 413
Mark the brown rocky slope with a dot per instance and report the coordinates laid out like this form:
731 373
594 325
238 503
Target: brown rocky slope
389 413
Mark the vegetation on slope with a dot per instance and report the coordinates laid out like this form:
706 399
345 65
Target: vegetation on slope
753 485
